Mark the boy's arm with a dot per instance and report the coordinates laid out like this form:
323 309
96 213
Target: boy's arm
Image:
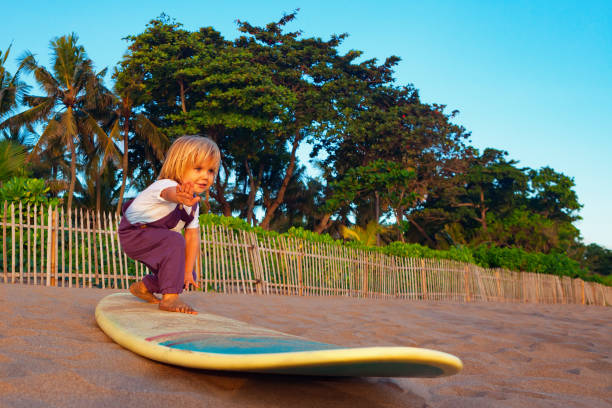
181 194
192 244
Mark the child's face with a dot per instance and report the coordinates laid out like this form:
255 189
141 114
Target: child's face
202 176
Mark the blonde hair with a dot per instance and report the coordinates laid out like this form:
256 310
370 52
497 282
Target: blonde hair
188 151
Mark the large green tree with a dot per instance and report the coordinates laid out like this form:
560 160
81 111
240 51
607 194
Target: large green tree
498 203
598 259
491 183
304 67
391 123
197 82
389 181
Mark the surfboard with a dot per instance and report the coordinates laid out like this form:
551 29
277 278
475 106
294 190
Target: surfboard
211 342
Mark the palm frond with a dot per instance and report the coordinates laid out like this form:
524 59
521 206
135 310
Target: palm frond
105 142
6 54
12 157
46 80
365 235
28 62
53 130
38 113
152 135
114 133
12 89
350 233
67 59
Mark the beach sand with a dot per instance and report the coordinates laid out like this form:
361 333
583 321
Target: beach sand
52 354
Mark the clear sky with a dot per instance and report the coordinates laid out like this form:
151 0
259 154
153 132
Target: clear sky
533 78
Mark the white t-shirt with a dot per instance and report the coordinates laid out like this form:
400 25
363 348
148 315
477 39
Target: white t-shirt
149 206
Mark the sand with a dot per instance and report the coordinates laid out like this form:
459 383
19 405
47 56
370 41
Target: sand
52 354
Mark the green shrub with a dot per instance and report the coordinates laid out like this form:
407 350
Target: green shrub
27 191
486 256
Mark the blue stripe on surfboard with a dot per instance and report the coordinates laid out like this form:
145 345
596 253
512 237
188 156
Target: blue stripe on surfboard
248 345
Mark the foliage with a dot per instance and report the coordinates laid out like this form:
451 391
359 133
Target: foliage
495 202
598 259
12 160
388 178
486 256
553 195
71 91
461 254
529 230
12 88
25 190
307 235
382 153
367 236
520 260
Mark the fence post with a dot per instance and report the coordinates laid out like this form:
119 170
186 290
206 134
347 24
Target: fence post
396 280
365 282
4 260
53 220
256 259
50 282
423 279
300 275
497 280
13 250
467 285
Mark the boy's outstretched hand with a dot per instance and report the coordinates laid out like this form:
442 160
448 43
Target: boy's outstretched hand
185 194
189 281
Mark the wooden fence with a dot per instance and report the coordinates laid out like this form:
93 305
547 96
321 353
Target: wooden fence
47 246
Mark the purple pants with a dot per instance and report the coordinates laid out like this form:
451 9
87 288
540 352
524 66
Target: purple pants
159 248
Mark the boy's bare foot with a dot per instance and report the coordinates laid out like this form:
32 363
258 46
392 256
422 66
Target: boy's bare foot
170 302
140 290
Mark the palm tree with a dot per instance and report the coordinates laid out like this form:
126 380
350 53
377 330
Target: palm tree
12 88
129 93
71 90
12 149
98 150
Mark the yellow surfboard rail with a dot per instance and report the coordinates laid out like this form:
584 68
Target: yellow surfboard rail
132 323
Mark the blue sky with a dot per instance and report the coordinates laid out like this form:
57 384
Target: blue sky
533 78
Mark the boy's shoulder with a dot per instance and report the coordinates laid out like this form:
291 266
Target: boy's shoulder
162 183
153 191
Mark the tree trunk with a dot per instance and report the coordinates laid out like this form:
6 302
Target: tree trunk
483 211
377 212
398 218
98 191
423 233
183 105
323 224
72 172
126 129
219 196
265 223
219 193
254 186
